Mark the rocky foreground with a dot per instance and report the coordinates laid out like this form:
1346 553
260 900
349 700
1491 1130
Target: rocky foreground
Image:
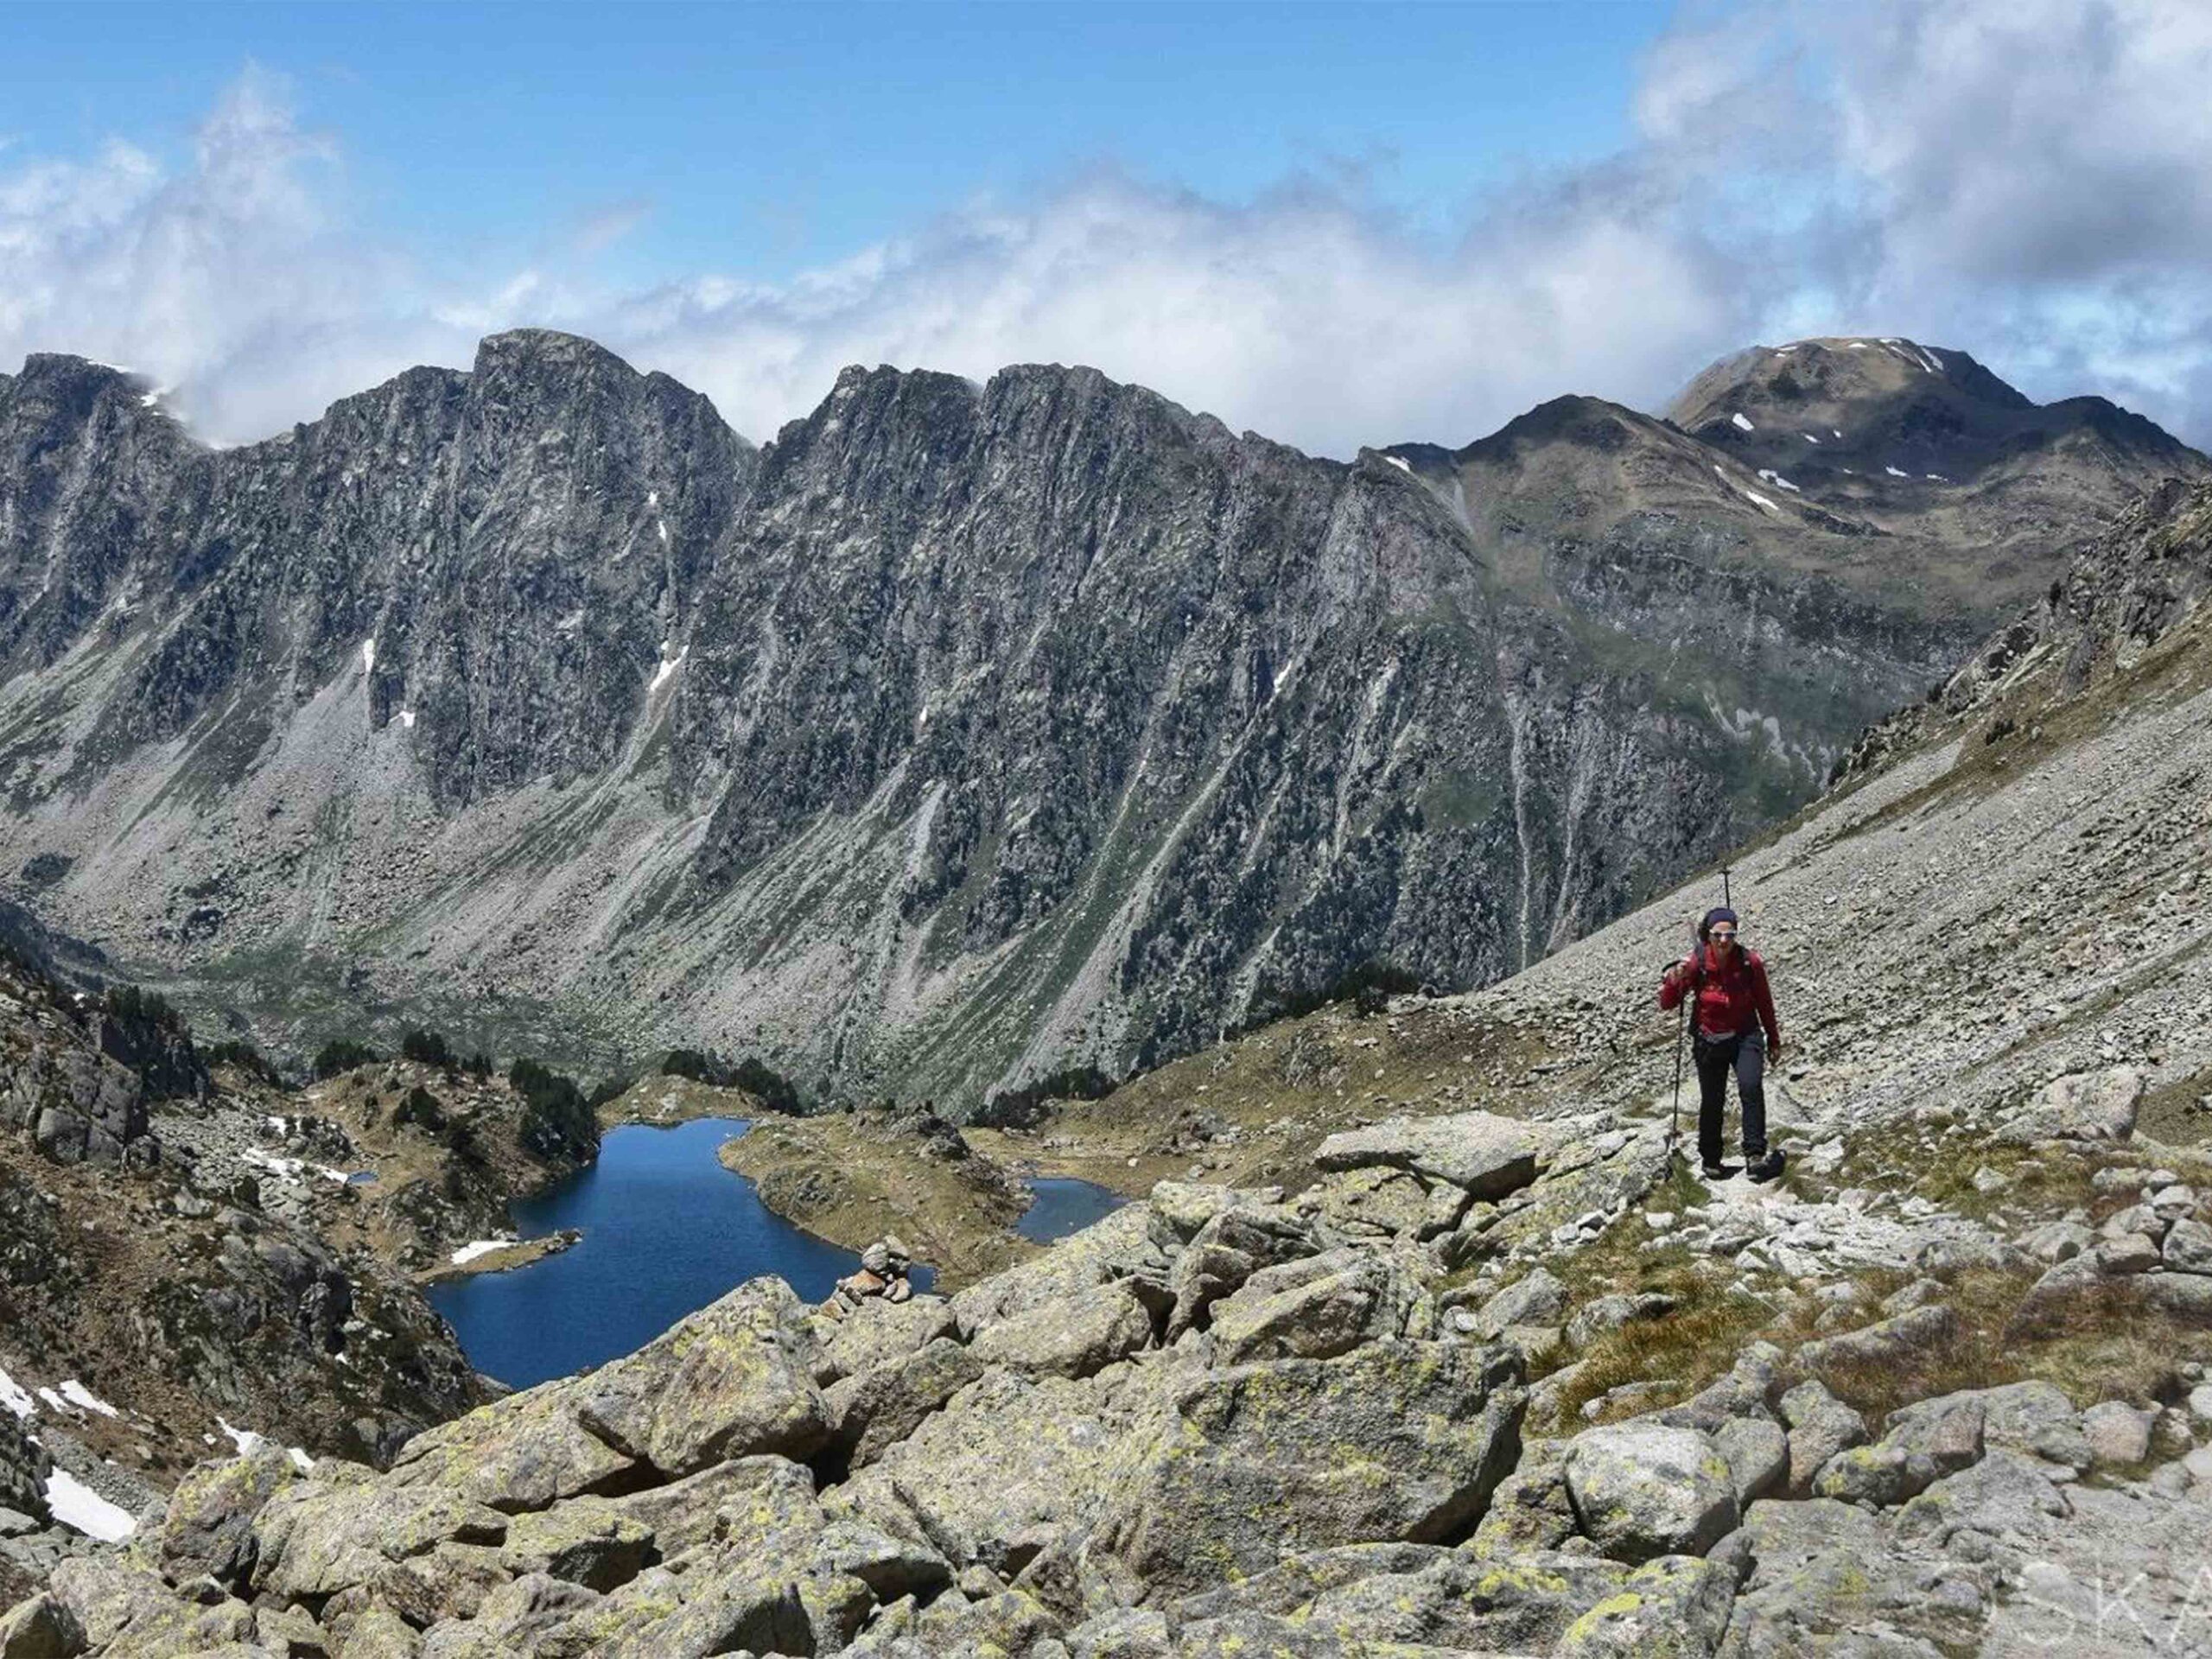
1224 1419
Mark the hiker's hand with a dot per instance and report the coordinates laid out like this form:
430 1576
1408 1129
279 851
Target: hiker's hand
1773 1051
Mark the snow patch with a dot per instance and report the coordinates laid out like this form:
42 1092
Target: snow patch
75 1504
369 655
1753 495
291 1168
1939 478
245 1439
1809 438
76 1394
13 1398
668 666
1741 423
1858 345
661 524
53 1402
1775 479
468 1253
300 1461
276 1123
1402 465
1835 434
652 497
407 718
1893 473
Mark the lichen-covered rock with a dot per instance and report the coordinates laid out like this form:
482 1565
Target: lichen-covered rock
1485 1155
317 1537
882 1406
2002 1496
1882 1475
207 1529
1467 1604
878 1331
1317 1316
1757 1453
1642 1491
1536 1298
1396 1440
521 1452
1677 1608
1072 1337
1819 1426
136 1614
731 1380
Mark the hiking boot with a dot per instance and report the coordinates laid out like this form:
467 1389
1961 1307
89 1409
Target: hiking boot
1718 1172
1766 1166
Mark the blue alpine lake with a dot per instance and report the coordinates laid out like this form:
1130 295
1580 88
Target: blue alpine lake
666 1230
1065 1205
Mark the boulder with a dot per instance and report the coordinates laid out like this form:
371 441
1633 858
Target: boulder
207 1529
133 1611
1463 1604
1642 1491
1396 1440
2187 1248
1487 1155
733 1380
1757 1453
1228 1251
1883 1342
2085 1106
1073 1338
880 1330
1946 1430
2004 1496
1881 1475
1819 1426
884 1404
1315 1318
1118 1246
315 1538
40 1628
2117 1433
1530 1510
1610 1313
2035 1418
523 1452
1677 1608
1535 1298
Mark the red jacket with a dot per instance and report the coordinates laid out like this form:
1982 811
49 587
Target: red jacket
1728 998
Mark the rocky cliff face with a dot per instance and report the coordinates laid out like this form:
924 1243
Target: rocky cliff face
962 735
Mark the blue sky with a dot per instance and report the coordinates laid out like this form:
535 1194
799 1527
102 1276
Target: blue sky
1335 224
760 139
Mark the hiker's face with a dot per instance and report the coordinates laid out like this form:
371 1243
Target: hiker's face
1724 941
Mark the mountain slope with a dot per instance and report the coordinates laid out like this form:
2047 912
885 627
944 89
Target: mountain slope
1481 1368
961 735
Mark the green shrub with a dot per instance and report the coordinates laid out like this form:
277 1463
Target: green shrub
557 1120
427 1048
244 1057
342 1054
420 1108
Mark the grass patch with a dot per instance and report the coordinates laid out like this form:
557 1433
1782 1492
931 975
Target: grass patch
2103 1345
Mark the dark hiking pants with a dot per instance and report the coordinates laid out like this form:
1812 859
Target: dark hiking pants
1745 1053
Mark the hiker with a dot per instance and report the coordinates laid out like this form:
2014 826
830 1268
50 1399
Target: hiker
1736 1030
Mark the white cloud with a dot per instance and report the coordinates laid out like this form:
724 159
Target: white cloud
2028 179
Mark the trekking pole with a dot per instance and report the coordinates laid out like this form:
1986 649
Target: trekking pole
1675 1122
1725 899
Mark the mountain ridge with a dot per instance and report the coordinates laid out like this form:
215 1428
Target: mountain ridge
959 734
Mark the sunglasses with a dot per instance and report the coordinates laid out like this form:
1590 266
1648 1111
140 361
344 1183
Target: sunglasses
1719 937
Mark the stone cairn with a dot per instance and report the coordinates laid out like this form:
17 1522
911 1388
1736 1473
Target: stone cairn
883 1272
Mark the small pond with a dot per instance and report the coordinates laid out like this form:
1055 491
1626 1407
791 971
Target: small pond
1065 1205
666 1230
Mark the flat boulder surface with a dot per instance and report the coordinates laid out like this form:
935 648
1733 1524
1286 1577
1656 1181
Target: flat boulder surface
1488 1155
1395 1441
